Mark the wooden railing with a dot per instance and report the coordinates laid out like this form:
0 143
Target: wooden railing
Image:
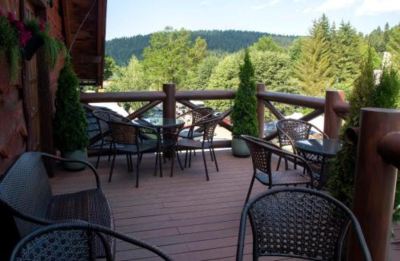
378 141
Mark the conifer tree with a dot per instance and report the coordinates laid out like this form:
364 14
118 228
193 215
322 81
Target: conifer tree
313 71
346 56
245 109
394 46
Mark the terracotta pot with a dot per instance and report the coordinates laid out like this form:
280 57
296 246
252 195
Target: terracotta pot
32 46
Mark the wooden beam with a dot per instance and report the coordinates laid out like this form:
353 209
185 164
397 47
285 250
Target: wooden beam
205 95
143 109
66 11
274 110
293 99
121 96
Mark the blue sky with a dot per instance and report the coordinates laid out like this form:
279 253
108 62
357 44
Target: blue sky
133 17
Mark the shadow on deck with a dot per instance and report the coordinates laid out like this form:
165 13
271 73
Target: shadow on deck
186 216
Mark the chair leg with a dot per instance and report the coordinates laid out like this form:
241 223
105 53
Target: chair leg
211 155
137 169
205 163
156 165
215 158
172 162
112 167
250 188
97 161
279 163
186 157
160 157
179 160
190 157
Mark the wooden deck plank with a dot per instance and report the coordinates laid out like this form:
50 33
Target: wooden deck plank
186 216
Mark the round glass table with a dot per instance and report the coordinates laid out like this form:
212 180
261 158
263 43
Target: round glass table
317 152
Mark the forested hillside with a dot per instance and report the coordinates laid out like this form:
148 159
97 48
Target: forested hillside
121 49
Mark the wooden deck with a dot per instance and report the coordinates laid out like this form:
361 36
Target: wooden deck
186 216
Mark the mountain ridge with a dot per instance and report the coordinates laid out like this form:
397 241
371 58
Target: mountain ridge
122 48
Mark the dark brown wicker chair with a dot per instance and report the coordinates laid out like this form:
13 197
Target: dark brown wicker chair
196 115
300 223
291 130
208 126
73 242
125 139
262 153
26 201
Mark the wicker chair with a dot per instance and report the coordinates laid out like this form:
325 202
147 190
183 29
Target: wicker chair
196 114
98 133
298 222
262 153
27 202
290 130
125 139
72 242
208 126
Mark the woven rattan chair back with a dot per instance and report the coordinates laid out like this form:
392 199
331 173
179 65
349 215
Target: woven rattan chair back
290 130
208 126
262 151
298 222
71 241
122 131
200 113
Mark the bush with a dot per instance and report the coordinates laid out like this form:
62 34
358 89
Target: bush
365 94
244 114
70 121
9 45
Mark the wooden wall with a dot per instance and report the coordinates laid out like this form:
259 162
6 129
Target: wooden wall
13 123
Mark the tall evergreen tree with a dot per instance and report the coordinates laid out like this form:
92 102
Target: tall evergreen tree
313 71
394 46
346 56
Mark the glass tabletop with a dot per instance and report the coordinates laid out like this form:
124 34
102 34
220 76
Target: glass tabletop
324 147
159 122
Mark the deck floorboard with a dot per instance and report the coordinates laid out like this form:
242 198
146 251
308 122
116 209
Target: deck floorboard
186 216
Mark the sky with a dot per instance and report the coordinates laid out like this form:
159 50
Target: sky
289 17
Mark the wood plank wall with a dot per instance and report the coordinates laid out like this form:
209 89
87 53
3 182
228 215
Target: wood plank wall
13 127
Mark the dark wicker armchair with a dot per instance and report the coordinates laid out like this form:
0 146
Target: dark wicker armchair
72 242
262 153
298 222
291 130
125 139
196 115
208 126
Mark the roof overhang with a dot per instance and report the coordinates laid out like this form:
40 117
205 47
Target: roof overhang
84 24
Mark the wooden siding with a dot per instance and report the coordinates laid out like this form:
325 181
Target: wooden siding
186 216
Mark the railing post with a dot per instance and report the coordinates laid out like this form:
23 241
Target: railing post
332 121
260 110
169 104
375 183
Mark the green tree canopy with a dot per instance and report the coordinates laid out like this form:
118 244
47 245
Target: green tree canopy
266 43
170 56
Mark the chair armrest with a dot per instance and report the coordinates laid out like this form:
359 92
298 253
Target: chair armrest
60 159
28 218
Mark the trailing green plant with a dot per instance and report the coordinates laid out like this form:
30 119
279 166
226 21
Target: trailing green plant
366 93
9 46
70 124
52 46
244 109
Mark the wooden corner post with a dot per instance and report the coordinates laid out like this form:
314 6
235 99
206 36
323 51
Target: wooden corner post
260 110
375 182
169 104
332 121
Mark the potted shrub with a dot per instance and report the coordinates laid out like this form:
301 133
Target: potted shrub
244 116
70 121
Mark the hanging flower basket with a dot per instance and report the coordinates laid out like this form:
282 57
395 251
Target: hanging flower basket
34 43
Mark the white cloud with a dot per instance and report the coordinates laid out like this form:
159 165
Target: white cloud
374 7
330 5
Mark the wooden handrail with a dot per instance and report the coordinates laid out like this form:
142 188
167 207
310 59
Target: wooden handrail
122 96
205 95
389 148
293 99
